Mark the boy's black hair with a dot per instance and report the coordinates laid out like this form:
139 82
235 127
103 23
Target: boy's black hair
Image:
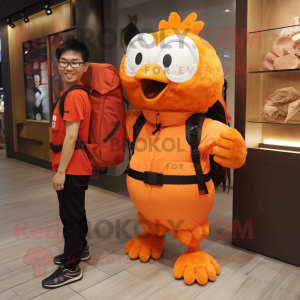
75 46
129 32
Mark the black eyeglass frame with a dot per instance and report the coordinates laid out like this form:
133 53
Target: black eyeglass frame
69 63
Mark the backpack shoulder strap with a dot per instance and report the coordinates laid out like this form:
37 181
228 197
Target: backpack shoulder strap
194 126
63 97
137 127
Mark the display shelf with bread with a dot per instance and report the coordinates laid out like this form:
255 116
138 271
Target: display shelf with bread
274 50
273 102
265 190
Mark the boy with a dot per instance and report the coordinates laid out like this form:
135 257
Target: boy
72 167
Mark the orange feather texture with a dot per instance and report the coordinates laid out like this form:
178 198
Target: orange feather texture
189 24
194 95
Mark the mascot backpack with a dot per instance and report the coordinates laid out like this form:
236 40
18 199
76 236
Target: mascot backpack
218 112
106 146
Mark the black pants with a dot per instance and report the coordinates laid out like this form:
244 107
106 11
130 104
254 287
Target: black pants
72 214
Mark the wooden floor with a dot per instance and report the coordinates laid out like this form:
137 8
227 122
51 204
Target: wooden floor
27 201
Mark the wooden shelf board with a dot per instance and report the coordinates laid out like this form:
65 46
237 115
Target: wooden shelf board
260 120
265 30
279 147
275 71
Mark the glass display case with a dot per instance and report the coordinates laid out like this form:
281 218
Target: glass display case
36 79
273 75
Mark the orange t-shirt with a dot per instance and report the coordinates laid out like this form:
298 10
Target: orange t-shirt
77 108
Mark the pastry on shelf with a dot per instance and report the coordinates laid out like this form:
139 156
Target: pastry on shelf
267 61
296 38
285 56
287 32
297 50
278 51
284 41
267 66
295 21
282 105
289 50
286 62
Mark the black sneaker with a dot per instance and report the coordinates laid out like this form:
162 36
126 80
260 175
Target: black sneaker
62 276
85 256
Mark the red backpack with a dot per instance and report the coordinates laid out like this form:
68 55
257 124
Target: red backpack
106 143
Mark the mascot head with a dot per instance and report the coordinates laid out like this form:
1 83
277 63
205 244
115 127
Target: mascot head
172 69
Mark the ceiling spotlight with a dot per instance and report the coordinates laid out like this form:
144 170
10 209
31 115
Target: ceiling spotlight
24 16
47 8
227 10
10 23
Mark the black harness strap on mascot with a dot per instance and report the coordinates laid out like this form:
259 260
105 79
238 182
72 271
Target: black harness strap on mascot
137 127
194 126
160 179
193 135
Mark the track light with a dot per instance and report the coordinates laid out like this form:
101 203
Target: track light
47 8
24 16
10 23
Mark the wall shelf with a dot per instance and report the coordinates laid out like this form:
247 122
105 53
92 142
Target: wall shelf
266 192
260 120
265 30
279 147
276 72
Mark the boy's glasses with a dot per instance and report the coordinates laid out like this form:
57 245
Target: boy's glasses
65 64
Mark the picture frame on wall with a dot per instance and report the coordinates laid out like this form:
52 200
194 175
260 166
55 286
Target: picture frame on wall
54 42
36 79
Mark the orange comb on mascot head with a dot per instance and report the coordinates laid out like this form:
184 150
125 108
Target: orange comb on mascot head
170 75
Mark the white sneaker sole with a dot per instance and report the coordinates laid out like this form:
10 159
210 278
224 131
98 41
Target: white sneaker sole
85 258
79 277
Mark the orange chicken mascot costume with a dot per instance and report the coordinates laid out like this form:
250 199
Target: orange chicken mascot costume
168 76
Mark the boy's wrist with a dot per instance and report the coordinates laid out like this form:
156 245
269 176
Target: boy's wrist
61 171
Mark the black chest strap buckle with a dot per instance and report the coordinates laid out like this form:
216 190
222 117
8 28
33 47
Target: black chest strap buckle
153 178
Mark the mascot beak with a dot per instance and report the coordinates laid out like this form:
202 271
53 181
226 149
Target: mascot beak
152 80
153 72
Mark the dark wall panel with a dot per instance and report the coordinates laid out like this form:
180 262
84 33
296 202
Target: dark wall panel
8 7
240 61
6 88
89 24
1 83
266 193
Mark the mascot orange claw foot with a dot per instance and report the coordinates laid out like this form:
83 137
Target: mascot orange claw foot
192 237
145 245
195 264
149 243
173 77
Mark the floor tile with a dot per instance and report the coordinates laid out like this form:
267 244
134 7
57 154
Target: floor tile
9 295
121 286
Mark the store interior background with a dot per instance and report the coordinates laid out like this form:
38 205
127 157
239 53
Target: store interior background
219 30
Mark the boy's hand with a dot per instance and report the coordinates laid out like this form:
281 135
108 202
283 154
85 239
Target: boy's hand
59 180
